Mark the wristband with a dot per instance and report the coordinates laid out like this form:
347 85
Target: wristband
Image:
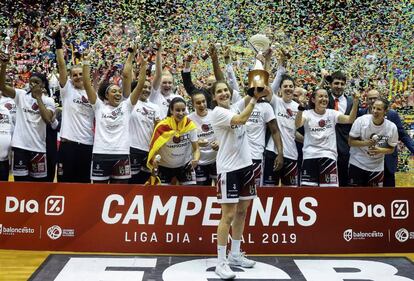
301 108
58 40
253 101
86 62
130 50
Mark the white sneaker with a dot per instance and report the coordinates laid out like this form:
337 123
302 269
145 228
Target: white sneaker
224 271
240 260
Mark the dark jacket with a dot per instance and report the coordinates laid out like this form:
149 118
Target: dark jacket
342 130
191 89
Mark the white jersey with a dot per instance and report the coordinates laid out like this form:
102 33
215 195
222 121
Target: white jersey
364 128
77 115
320 136
205 131
162 101
285 116
112 127
7 117
256 128
234 150
178 150
30 130
142 123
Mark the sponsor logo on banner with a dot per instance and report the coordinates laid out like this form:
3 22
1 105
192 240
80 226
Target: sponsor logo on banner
55 232
54 205
403 235
399 209
10 230
349 235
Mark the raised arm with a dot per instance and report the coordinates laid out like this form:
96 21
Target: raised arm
141 81
186 76
349 119
90 91
5 89
63 73
231 76
218 73
156 83
127 72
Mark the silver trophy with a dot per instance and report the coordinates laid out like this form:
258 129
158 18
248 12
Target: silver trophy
260 44
7 40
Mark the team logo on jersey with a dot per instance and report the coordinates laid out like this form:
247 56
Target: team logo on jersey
35 106
9 106
205 127
84 99
289 112
322 123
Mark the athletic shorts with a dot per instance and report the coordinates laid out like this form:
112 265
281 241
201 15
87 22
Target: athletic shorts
74 162
321 172
138 161
204 173
361 177
236 185
29 163
4 170
257 171
114 166
288 175
185 175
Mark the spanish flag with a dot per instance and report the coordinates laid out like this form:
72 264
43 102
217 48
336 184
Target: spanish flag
164 131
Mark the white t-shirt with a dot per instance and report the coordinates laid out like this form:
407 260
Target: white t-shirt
234 151
77 115
178 151
112 127
256 128
7 116
320 137
364 128
285 116
162 101
205 131
30 130
142 124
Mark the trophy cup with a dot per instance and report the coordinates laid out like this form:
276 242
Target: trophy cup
7 40
258 77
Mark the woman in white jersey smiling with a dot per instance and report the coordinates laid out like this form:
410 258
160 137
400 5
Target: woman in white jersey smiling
34 110
371 137
175 141
319 150
110 159
285 109
235 183
206 170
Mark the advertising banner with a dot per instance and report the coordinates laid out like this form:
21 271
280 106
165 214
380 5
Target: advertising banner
183 220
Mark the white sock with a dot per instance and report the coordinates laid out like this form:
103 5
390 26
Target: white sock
221 253
235 247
